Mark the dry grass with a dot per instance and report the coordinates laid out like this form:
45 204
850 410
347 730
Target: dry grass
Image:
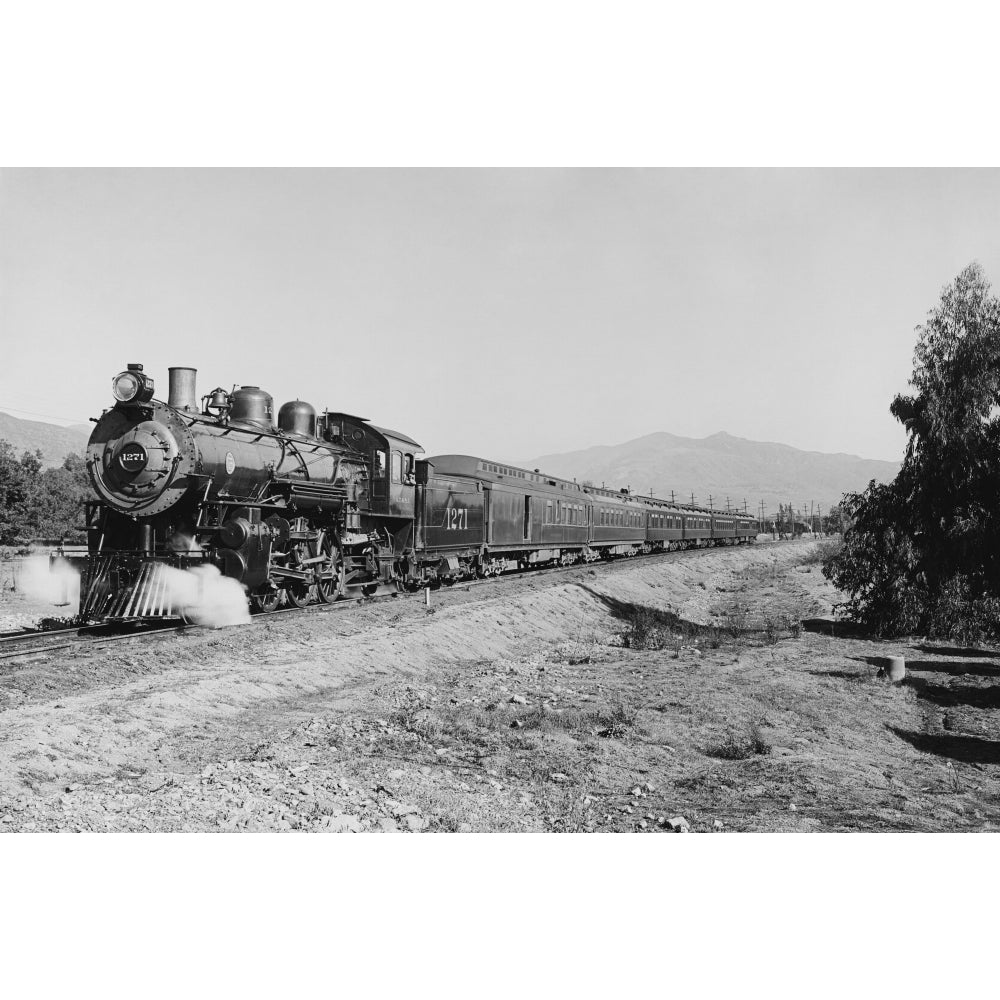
497 724
742 746
822 552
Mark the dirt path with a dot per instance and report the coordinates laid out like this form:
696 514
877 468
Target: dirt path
514 706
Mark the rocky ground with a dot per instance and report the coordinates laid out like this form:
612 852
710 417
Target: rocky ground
695 691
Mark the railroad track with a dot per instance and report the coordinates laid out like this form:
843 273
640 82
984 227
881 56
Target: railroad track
29 645
26 645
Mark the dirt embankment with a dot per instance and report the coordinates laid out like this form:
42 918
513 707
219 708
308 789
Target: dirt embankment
608 698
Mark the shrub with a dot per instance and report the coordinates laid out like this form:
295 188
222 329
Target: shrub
40 504
618 721
823 552
644 631
735 747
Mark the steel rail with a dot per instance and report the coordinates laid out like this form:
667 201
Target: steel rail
42 641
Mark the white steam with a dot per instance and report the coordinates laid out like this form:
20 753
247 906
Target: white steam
202 594
205 596
58 585
179 542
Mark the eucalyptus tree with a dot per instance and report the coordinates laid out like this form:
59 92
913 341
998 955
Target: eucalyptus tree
923 552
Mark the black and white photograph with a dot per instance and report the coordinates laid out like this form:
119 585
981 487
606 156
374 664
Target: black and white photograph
474 501
500 440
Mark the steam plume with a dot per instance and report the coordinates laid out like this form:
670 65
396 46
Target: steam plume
205 596
58 586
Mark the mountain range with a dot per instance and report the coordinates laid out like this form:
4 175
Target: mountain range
721 467
54 442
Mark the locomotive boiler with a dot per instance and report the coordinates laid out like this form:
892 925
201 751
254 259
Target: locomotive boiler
298 506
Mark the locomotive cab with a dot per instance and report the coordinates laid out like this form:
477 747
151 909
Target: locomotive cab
391 459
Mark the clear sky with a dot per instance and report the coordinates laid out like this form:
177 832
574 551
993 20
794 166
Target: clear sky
505 312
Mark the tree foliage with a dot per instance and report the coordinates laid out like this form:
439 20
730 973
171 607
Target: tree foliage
922 553
40 504
834 521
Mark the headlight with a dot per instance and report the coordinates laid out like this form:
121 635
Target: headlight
125 387
132 386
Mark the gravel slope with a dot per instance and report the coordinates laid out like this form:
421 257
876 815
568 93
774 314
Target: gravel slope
508 706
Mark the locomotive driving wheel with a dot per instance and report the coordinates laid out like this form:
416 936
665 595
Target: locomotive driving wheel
331 583
301 593
265 602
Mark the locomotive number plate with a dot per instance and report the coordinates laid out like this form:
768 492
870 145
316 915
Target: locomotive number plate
230 463
456 518
133 458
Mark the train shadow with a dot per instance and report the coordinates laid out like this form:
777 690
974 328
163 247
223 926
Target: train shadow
967 749
958 651
630 612
958 694
974 669
627 611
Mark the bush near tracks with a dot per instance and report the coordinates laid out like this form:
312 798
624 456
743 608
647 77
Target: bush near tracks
40 504
922 554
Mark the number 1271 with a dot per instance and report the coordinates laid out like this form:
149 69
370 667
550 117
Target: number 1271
456 518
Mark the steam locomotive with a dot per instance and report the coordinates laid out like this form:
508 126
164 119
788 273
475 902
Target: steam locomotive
311 507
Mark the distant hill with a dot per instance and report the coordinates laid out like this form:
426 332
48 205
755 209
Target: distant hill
721 466
55 443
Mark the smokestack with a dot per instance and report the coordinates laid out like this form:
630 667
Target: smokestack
182 389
